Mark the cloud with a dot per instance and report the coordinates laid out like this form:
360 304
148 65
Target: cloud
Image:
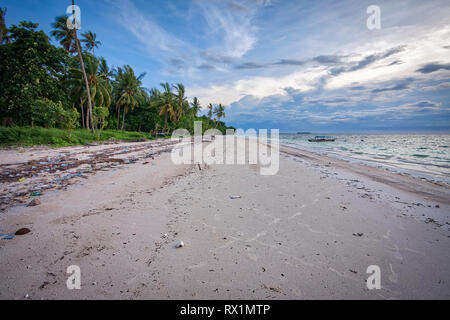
250 65
363 63
206 66
230 21
422 106
152 35
376 57
440 86
400 85
328 59
301 61
290 62
434 66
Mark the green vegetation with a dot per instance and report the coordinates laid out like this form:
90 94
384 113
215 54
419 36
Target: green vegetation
27 136
66 95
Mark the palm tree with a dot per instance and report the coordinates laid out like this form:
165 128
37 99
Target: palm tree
100 89
3 29
90 41
104 69
210 110
128 90
196 107
220 112
167 104
181 101
64 35
80 56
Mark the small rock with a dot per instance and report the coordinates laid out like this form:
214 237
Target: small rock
34 202
22 231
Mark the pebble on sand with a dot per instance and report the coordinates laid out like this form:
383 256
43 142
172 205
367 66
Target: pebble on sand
34 202
22 231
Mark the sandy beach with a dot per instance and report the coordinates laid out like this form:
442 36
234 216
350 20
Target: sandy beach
309 232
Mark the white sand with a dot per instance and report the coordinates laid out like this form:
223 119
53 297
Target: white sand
290 236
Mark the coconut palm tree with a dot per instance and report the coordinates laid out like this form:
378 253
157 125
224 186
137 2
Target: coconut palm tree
106 70
90 41
100 89
181 101
167 104
210 108
196 107
80 57
128 90
220 112
64 35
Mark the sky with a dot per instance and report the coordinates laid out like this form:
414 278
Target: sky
285 64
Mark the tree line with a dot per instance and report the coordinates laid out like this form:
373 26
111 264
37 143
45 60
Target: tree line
68 86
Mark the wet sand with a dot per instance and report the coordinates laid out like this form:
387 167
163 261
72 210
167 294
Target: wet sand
309 232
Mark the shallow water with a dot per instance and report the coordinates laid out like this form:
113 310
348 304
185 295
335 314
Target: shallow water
421 155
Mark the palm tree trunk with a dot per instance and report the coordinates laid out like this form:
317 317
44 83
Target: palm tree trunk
83 69
123 119
118 119
165 122
87 119
82 113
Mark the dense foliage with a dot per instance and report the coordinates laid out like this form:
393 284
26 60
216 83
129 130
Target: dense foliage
46 86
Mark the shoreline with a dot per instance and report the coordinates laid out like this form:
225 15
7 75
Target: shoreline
429 171
308 232
403 181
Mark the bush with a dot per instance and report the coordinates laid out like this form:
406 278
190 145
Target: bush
27 136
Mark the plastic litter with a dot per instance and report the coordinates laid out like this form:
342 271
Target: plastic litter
180 245
235 197
35 194
6 237
21 179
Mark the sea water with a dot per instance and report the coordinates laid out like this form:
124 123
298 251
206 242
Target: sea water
420 155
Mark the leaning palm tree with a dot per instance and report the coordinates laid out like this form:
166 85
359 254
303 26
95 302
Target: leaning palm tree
128 90
100 89
90 41
167 104
196 107
80 57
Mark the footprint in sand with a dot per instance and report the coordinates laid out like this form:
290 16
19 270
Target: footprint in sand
393 277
